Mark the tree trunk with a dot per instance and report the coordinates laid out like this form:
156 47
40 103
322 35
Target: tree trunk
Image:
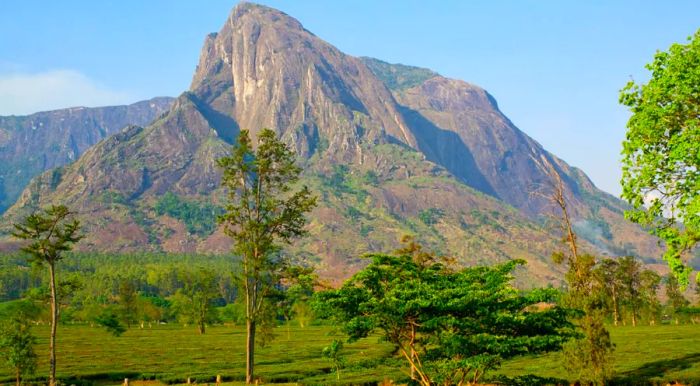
616 310
250 351
413 352
202 327
19 376
54 322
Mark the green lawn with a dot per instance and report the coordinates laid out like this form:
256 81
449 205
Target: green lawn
643 355
173 353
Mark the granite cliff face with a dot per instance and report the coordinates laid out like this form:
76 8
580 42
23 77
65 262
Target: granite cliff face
389 149
34 143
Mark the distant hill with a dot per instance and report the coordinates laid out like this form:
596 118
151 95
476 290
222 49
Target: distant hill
31 144
390 149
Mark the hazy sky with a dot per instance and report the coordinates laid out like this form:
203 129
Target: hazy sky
555 67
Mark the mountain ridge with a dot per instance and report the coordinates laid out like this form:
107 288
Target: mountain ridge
30 144
390 149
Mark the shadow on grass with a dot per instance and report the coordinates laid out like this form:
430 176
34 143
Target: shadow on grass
658 369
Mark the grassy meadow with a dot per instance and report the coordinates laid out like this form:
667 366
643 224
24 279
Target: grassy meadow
172 353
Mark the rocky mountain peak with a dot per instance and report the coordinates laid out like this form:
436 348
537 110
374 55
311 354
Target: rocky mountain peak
263 69
248 21
263 15
390 149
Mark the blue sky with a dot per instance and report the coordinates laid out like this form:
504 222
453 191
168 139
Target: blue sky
555 67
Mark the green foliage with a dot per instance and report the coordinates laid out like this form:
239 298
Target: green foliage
92 282
194 301
676 302
365 229
353 213
262 211
17 341
333 354
447 324
398 76
16 276
630 270
626 289
56 175
661 152
233 313
127 302
113 198
338 176
431 216
588 358
199 218
50 233
371 178
110 321
294 301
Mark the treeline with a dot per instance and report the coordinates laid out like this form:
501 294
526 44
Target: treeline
631 294
124 290
143 288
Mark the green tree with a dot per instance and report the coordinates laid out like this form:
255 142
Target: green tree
128 302
661 152
675 301
630 274
333 353
194 301
262 211
148 311
294 299
50 233
451 326
109 319
16 339
608 279
650 282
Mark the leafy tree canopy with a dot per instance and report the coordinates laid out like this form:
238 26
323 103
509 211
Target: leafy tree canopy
450 325
263 210
661 153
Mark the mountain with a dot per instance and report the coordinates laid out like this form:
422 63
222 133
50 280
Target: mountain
390 149
32 144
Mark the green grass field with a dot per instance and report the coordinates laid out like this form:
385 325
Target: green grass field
171 354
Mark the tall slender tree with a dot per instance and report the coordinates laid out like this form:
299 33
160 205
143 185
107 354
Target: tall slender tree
650 282
50 233
674 295
606 274
589 357
630 273
128 301
262 211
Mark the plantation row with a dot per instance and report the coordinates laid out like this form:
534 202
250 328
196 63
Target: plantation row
172 353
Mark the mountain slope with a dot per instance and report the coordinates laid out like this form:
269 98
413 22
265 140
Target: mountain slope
389 149
34 143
